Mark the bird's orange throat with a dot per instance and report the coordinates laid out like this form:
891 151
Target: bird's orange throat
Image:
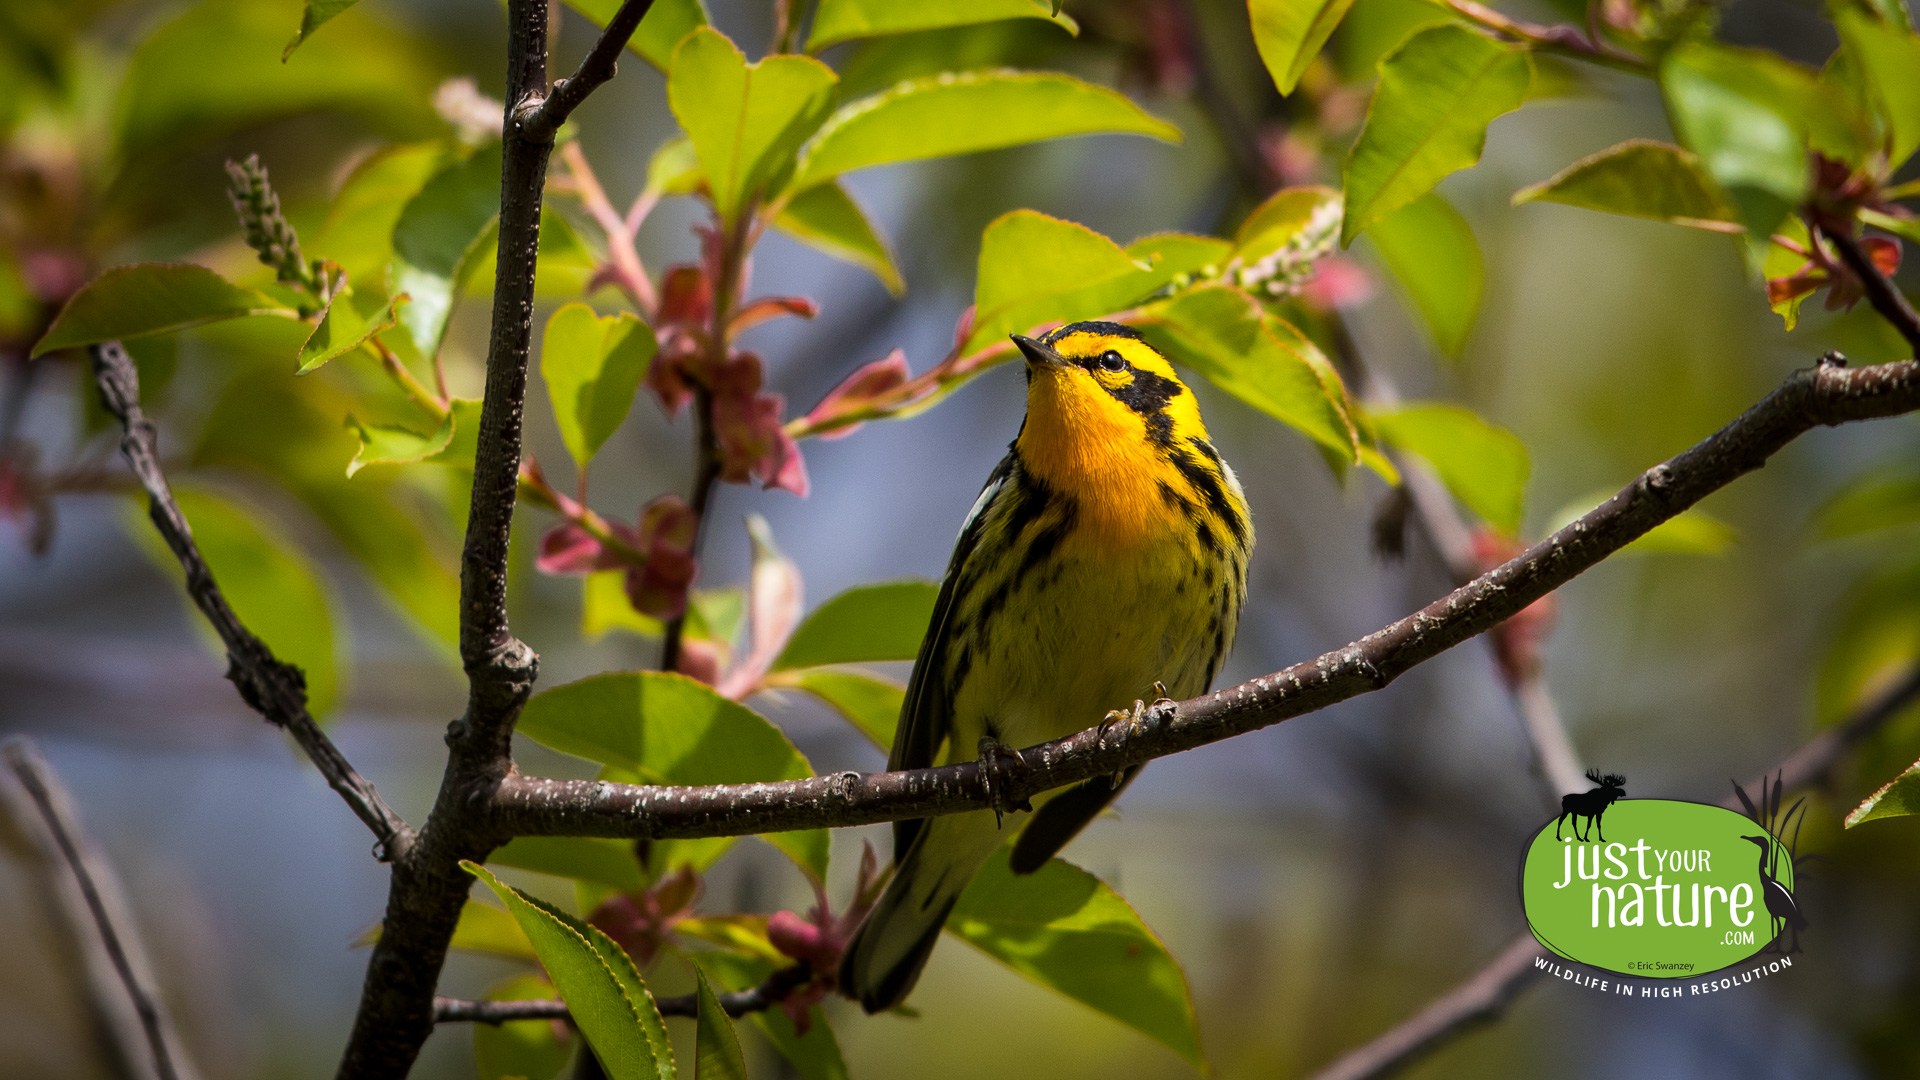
1084 443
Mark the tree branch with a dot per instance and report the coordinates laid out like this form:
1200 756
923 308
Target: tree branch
428 887
96 909
1485 995
739 1003
1827 394
274 689
1886 298
599 66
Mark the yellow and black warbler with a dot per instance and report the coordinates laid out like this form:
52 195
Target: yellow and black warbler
1107 554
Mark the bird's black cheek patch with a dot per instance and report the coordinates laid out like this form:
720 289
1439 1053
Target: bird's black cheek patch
1148 394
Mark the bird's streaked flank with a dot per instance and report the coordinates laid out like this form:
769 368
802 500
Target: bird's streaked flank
1105 562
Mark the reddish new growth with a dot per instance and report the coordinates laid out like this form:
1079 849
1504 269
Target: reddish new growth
1516 642
746 420
820 939
640 922
657 554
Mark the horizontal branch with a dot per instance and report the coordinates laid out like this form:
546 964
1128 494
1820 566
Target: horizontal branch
271 687
1829 393
738 1003
1485 995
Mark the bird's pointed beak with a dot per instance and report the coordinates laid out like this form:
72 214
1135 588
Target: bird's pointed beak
1039 357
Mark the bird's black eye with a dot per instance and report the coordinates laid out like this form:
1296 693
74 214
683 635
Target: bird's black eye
1112 361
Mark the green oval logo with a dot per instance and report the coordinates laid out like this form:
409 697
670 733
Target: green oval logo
1659 889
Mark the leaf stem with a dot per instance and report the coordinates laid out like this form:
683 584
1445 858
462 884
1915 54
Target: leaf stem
1565 40
437 404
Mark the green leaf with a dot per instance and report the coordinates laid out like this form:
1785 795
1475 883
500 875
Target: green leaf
460 450
1429 116
1485 466
316 14
815 1055
1693 532
746 120
1035 269
1257 357
602 991
266 422
669 729
1174 255
1882 499
966 112
1900 797
844 20
439 239
674 168
869 702
1290 33
389 444
344 327
487 929
151 298
271 585
527 1049
826 218
1890 58
1429 249
609 862
1065 929
1781 261
1282 219
1726 109
358 233
717 1049
604 606
864 624
593 366
663 26
1638 178
217 69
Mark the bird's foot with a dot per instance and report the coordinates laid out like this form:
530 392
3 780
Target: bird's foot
997 765
1142 719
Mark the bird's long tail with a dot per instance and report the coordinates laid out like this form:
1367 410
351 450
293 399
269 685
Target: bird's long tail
884 959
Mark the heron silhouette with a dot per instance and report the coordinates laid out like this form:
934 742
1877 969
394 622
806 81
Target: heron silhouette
1774 842
1785 912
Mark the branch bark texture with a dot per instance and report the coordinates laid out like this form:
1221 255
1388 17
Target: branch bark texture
271 687
1829 393
428 887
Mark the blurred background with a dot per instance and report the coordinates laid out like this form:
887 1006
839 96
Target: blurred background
1319 881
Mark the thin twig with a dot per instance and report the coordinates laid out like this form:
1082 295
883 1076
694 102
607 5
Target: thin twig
1886 298
1563 39
1827 394
1452 540
739 1003
273 688
95 907
622 257
1485 995
596 69
706 474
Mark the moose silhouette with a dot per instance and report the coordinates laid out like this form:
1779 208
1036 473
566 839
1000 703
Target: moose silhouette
1590 805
